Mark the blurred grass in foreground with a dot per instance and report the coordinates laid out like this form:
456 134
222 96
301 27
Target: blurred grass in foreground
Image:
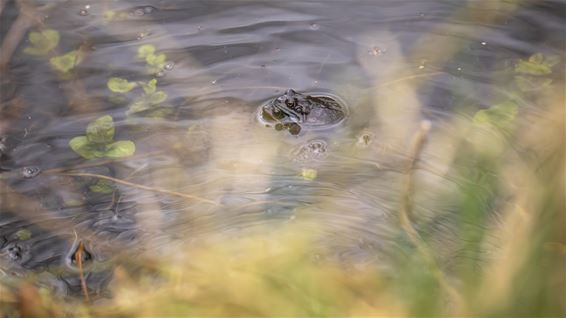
517 172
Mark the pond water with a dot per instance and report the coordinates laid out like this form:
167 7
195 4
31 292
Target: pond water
204 167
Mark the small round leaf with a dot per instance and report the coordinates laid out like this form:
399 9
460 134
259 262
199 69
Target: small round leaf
120 85
120 149
101 130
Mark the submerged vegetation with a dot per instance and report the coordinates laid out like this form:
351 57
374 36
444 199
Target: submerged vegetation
474 224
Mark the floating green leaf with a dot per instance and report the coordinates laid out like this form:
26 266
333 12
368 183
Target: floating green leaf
138 106
64 63
81 146
102 186
532 83
161 112
157 97
156 60
120 149
309 174
99 141
537 65
42 42
109 14
145 50
500 115
101 130
23 234
120 85
150 87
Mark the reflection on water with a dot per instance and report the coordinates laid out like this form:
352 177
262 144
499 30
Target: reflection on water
204 167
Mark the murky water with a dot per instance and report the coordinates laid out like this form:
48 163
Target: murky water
204 168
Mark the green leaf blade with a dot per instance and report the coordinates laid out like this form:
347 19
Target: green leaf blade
101 130
82 147
120 149
42 42
157 97
120 85
145 50
65 63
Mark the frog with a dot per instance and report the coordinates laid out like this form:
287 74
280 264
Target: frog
296 112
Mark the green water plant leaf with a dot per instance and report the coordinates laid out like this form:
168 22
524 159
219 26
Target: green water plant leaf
150 87
102 186
145 50
501 115
84 148
23 234
537 65
157 97
120 85
138 106
309 174
532 83
65 63
99 141
42 42
120 149
156 60
101 130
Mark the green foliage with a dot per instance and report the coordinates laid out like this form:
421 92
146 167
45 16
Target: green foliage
145 50
119 149
309 174
533 73
101 130
155 61
532 83
23 234
150 100
120 85
65 63
150 87
501 115
42 42
99 141
537 65
102 186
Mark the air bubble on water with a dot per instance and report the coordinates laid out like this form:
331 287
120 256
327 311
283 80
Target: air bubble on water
314 26
213 82
143 34
160 74
30 171
169 66
139 12
377 51
148 9
83 13
484 43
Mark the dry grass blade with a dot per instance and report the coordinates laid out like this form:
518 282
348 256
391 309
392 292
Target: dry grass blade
139 186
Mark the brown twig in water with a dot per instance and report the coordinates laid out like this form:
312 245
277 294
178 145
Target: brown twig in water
410 77
3 4
138 186
406 209
13 39
79 259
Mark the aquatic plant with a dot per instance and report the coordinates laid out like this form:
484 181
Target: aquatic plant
99 141
45 42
